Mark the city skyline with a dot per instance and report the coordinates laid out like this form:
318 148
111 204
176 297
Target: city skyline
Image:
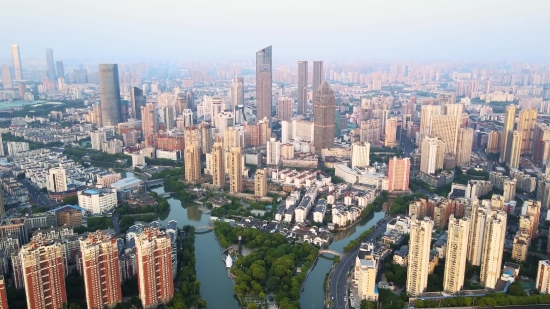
413 27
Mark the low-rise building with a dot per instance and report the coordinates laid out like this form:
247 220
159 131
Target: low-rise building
97 201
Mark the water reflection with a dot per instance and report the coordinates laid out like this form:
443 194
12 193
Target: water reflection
347 233
193 213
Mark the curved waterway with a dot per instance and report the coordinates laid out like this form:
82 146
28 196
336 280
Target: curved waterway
217 289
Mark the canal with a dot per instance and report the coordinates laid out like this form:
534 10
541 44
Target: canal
217 289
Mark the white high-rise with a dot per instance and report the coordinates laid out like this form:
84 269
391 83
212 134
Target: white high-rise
360 155
237 91
419 256
477 233
57 180
455 257
273 152
431 154
493 247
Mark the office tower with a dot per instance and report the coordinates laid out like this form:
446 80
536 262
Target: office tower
533 210
509 117
263 83
493 140
398 174
432 153
110 94
526 126
542 283
493 247
192 163
57 179
445 127
149 119
302 87
459 88
284 108
3 295
218 165
513 150
318 78
360 155
426 114
59 69
51 64
154 267
419 255
391 133
22 89
477 233
101 270
137 100
455 256
43 270
235 165
168 118
260 183
17 67
237 91
7 81
364 274
273 152
464 144
324 106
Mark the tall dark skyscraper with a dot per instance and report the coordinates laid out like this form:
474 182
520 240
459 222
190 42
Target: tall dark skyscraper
318 77
137 100
302 87
324 106
51 64
263 83
109 89
60 70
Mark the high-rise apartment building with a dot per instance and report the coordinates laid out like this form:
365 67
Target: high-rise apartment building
533 210
273 152
57 179
16 58
237 91
513 150
154 268
455 256
446 128
7 81
526 126
493 140
520 246
231 138
235 166
44 269
284 108
465 140
398 174
426 115
51 64
478 220
432 153
101 270
318 78
459 88
302 88
324 106
218 165
419 255
365 273
137 101
60 70
509 117
192 163
390 139
149 121
168 117
542 283
3 294
360 155
260 183
263 83
109 88
493 247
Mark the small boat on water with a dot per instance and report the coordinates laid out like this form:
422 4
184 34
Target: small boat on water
228 261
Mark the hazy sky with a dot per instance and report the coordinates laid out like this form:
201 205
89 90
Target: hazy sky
118 30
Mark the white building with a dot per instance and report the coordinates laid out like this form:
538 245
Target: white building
57 179
171 155
97 201
138 160
320 210
273 152
360 155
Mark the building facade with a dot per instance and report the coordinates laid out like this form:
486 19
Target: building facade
324 106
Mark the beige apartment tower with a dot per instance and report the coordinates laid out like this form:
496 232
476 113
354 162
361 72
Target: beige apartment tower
432 152
284 108
149 122
455 257
391 133
427 112
445 127
231 138
218 165
533 211
464 144
260 183
419 256
477 233
365 276
360 155
520 247
509 118
543 277
526 126
192 163
235 166
493 247
493 142
513 151
57 179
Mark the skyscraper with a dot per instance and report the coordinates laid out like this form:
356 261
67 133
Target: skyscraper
218 165
237 91
16 58
427 112
60 70
432 152
263 83
154 268
324 106
513 150
6 77
493 247
137 100
149 119
168 117
391 133
533 209
477 233
192 163
260 183
235 165
526 125
44 270
509 117
318 77
464 143
445 127
109 87
419 255
284 108
302 87
455 256
51 64
101 271
398 174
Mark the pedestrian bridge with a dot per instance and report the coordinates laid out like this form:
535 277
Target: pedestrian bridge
205 228
336 253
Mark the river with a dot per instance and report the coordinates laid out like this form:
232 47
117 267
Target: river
217 289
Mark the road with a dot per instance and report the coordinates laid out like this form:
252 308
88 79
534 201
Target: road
338 282
39 198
